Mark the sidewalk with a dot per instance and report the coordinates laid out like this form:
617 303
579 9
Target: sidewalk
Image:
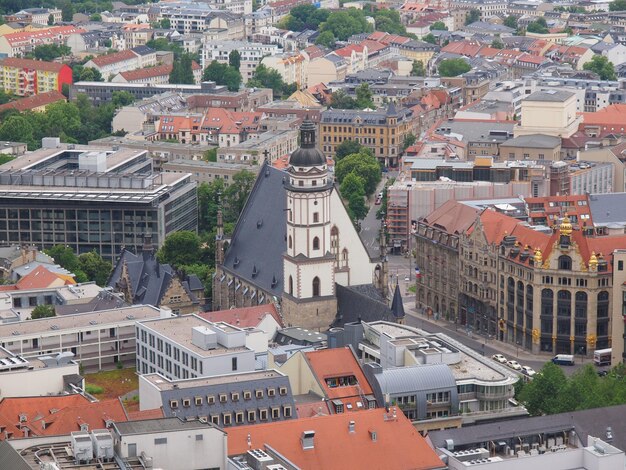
509 350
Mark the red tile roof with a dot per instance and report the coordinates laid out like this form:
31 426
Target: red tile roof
614 115
35 37
109 59
40 278
453 217
145 414
397 446
34 101
246 317
312 409
466 48
336 363
49 416
32 64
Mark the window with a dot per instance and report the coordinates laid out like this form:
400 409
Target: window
227 419
271 392
186 402
290 285
215 419
620 265
259 393
251 416
234 363
234 396
316 286
282 390
275 412
210 399
263 415
247 395
198 401
290 242
160 441
173 404
199 437
287 411
223 398
316 217
316 243
565 262
239 417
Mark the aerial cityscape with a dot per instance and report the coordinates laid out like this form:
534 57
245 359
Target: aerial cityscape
297 235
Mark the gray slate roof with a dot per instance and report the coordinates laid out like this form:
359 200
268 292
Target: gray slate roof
11 458
608 208
259 239
360 303
148 278
158 425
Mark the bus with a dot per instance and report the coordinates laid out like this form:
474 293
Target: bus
602 357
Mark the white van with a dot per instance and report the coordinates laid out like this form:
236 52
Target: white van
563 359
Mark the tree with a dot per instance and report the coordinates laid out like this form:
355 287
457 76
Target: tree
85 74
472 16
95 267
236 194
388 21
162 44
234 59
66 258
418 69
539 26
304 17
340 100
345 23
409 139
17 128
511 21
209 195
364 96
122 98
223 74
438 26
42 311
347 147
543 393
95 17
182 71
361 164
497 43
180 249
50 19
602 66
617 5
67 11
453 67
49 52
165 23
210 155
266 77
327 39
352 190
430 38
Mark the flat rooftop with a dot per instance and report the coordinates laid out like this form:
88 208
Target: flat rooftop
159 425
163 383
178 329
96 320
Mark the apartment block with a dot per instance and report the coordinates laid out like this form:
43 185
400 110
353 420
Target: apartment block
19 43
25 77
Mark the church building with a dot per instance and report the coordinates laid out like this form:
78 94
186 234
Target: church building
295 244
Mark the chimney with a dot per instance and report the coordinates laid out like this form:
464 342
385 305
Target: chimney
307 440
351 427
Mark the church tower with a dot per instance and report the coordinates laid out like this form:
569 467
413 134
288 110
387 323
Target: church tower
309 266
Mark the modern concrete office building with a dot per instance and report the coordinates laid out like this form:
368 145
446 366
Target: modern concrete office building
92 198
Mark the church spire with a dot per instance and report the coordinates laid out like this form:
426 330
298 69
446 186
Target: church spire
397 307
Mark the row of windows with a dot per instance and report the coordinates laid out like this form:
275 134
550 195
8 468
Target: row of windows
237 417
223 397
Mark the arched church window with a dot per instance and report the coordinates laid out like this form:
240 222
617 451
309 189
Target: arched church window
316 286
290 242
344 258
316 243
290 285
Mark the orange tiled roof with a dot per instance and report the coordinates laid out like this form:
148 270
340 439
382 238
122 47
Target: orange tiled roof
34 101
312 409
40 278
48 416
613 115
245 317
145 414
453 217
42 35
340 362
397 446
466 48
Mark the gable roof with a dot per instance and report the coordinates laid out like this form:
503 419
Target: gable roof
262 220
34 101
360 303
148 278
109 59
40 278
453 217
397 444
246 317
32 64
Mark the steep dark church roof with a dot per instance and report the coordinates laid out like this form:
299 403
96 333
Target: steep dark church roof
149 279
256 250
307 154
397 307
360 303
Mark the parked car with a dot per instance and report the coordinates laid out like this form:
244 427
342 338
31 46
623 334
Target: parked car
499 358
514 365
378 201
529 371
